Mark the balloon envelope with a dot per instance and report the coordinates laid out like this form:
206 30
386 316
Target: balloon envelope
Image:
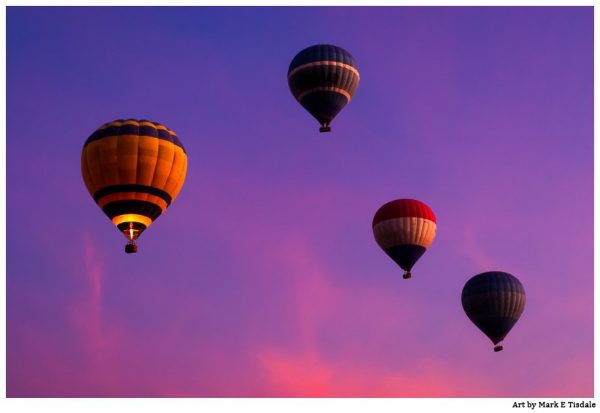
494 301
323 78
134 170
404 229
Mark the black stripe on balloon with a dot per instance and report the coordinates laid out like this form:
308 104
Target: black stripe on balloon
147 131
145 208
405 255
145 189
323 76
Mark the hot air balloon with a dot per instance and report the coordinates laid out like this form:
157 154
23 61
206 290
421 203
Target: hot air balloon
404 229
494 301
134 170
323 79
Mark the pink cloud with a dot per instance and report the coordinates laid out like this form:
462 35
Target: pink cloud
297 376
308 375
86 310
99 339
320 303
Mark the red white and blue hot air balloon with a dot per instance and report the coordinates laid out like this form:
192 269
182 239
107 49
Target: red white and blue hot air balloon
404 229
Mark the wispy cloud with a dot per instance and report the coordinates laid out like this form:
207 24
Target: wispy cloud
309 369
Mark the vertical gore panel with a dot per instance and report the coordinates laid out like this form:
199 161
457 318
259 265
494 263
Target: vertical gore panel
166 154
127 149
147 154
94 167
181 178
108 159
404 230
417 231
176 171
87 179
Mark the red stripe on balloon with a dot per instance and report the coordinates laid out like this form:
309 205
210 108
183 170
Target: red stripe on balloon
403 208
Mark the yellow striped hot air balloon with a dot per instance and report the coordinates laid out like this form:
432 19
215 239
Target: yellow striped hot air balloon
134 170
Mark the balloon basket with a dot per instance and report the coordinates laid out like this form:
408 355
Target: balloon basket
498 348
325 129
407 275
130 248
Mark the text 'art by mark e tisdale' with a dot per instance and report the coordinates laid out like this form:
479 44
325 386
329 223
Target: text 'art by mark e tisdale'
554 404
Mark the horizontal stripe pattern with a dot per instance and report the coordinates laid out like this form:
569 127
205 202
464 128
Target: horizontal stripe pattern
403 208
323 63
324 75
404 230
133 196
133 219
322 52
324 89
132 207
132 188
134 160
137 128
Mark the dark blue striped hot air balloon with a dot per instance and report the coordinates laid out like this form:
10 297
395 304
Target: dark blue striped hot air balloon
494 301
323 79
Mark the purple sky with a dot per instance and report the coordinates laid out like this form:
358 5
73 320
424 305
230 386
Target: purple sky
263 278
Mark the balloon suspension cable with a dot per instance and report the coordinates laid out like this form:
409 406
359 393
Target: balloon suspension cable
325 128
498 348
407 275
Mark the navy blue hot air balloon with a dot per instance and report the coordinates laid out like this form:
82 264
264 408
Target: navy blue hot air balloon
494 301
323 79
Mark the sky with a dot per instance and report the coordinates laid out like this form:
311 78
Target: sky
263 278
